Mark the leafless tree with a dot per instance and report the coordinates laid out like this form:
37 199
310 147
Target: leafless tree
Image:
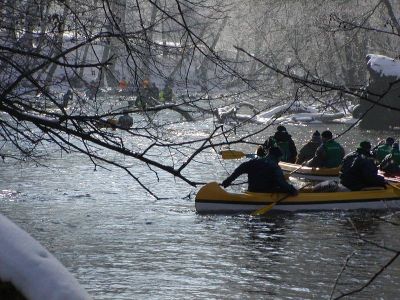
274 51
55 47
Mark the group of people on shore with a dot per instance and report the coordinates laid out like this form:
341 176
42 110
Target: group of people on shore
358 169
148 93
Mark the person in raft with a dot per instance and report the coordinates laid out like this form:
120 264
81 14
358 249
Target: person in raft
329 154
384 148
264 174
308 150
359 170
283 140
391 163
125 121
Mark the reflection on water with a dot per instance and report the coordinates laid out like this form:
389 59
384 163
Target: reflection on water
121 244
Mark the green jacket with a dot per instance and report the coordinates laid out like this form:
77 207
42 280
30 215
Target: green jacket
391 162
329 155
334 154
381 152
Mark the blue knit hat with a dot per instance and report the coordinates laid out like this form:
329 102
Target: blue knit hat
316 133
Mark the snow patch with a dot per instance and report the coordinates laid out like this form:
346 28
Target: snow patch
35 272
383 65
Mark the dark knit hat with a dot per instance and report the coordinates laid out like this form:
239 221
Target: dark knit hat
364 145
316 136
326 134
275 151
280 128
390 140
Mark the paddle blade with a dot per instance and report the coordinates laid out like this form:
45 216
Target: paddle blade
395 186
264 210
232 154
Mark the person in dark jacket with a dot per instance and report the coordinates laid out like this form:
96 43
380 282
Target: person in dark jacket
329 154
125 121
67 98
283 140
143 95
154 91
264 174
383 149
390 164
308 150
359 170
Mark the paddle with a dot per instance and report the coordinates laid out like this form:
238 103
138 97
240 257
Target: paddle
265 209
234 154
393 185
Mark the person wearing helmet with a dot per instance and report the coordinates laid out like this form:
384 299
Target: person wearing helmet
308 150
122 84
359 170
143 95
263 173
283 140
390 164
329 154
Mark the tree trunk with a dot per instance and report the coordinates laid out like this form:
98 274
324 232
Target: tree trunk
392 16
8 19
58 47
204 66
148 54
106 76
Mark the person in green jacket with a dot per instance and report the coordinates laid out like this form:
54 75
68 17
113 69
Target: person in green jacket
329 154
283 140
390 164
382 149
166 94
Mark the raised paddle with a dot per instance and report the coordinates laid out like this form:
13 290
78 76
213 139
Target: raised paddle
235 154
265 209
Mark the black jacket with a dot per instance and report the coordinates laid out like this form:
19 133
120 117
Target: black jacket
307 152
264 175
359 171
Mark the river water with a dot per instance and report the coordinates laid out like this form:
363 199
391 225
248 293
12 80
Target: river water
122 244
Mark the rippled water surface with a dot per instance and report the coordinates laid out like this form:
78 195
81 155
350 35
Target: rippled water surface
122 244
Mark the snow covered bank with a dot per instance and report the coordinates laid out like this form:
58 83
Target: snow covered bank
36 273
286 113
383 66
